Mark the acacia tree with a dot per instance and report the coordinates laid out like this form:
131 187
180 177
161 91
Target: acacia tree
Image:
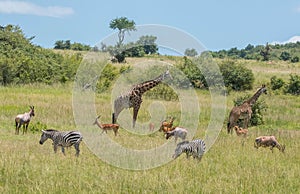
123 25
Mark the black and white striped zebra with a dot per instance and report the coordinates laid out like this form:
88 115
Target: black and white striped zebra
196 148
62 138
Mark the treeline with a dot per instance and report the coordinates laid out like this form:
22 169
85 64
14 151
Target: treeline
67 45
285 52
144 46
22 62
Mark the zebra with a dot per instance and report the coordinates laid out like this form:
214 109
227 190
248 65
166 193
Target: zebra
63 139
196 148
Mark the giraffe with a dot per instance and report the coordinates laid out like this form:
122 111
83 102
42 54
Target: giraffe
133 98
244 110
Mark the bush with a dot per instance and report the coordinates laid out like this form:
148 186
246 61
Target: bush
294 85
107 77
276 83
257 110
21 62
285 56
37 127
295 59
236 76
163 92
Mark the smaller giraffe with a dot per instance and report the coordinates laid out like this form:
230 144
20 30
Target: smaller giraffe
133 98
244 111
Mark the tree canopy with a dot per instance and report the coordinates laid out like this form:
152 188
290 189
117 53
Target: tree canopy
21 62
124 25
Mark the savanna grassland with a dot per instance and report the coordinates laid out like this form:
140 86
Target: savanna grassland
232 165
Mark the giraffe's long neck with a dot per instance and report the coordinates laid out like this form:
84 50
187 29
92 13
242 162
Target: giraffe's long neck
254 98
147 85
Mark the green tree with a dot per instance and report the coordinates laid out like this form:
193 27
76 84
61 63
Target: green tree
190 52
148 43
236 76
123 25
294 85
21 62
276 83
295 59
265 53
285 56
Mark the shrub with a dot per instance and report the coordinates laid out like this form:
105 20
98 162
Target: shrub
108 75
37 127
236 76
276 83
295 59
285 56
294 85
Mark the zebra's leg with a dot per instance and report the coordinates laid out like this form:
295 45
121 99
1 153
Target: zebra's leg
55 147
76 145
188 155
200 157
63 150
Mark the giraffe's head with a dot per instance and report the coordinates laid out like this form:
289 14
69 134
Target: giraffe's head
167 74
264 89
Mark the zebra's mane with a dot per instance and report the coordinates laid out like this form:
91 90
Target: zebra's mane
182 143
50 130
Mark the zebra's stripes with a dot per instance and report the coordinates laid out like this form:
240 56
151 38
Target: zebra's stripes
196 148
63 139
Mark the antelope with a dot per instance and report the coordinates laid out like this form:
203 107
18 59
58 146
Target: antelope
151 126
177 132
167 126
24 119
268 141
240 131
106 127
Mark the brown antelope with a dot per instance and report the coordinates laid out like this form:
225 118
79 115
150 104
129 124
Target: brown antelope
268 141
167 126
106 127
240 131
24 119
151 126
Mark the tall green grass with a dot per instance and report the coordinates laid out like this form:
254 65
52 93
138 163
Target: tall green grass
232 165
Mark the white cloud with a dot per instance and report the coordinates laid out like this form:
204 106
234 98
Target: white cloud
22 7
293 39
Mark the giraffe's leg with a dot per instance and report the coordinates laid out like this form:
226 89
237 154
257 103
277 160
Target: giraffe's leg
246 122
135 113
231 123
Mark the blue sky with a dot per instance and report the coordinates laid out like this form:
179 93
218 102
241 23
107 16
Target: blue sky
216 24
